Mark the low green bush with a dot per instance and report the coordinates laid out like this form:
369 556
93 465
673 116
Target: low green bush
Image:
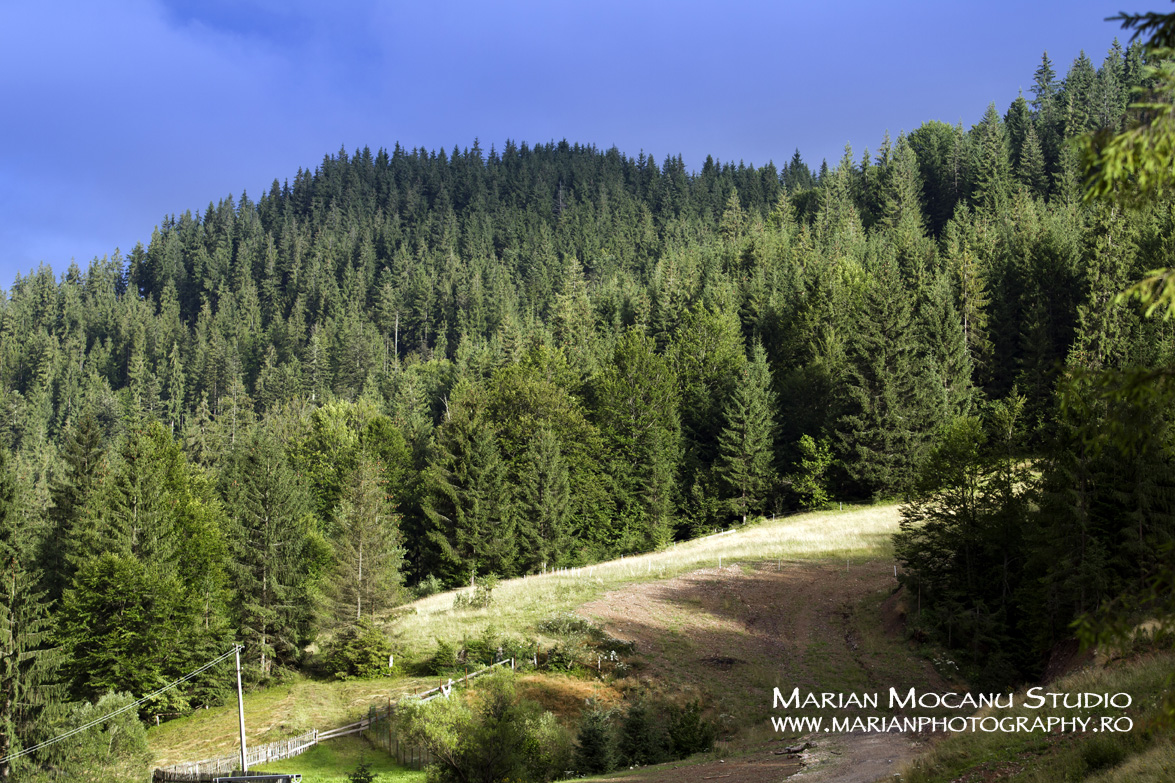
359 650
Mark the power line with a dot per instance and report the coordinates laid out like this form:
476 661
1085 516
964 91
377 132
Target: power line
121 710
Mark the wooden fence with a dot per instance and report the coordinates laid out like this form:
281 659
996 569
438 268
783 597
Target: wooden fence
206 770
377 728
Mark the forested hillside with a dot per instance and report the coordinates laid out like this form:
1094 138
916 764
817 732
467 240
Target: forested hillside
277 414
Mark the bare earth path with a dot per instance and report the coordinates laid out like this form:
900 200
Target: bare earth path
734 634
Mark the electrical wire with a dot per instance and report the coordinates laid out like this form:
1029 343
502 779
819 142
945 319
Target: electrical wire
121 710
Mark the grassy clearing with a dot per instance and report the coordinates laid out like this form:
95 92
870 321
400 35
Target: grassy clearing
333 761
519 604
854 534
274 713
1145 754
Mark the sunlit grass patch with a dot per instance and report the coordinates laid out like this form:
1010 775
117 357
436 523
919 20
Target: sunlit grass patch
333 761
856 533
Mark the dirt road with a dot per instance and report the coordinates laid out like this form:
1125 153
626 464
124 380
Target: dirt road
733 635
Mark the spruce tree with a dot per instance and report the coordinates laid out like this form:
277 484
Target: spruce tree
544 503
82 455
638 414
992 166
1031 172
368 551
883 431
469 504
28 662
745 442
273 550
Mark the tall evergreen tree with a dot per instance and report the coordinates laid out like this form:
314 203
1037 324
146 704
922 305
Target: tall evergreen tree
368 551
275 553
545 503
28 662
745 443
884 431
82 455
638 413
469 505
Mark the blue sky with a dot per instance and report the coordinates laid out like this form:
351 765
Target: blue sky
116 114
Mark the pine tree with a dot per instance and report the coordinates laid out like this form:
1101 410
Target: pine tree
82 455
638 414
992 166
27 661
1031 172
272 550
745 442
947 361
884 430
368 550
595 750
544 503
469 504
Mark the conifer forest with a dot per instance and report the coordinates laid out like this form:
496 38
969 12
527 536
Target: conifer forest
284 414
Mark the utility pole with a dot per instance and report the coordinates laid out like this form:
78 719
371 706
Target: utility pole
241 710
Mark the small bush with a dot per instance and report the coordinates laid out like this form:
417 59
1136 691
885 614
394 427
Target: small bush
568 624
440 662
480 597
596 743
360 650
493 736
689 733
430 585
1101 753
483 650
643 739
362 772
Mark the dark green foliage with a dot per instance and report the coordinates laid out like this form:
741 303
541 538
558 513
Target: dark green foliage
359 650
537 357
499 738
595 744
963 544
82 455
643 737
469 504
638 416
112 749
275 553
744 461
124 627
888 418
689 732
28 662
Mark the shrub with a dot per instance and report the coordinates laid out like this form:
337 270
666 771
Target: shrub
497 737
362 772
689 733
430 585
568 624
442 661
359 650
596 744
480 597
1101 753
643 739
